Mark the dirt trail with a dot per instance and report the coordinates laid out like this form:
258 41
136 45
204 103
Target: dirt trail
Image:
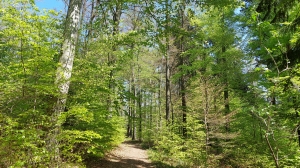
127 155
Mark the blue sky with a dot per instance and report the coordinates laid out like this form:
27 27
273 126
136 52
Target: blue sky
50 4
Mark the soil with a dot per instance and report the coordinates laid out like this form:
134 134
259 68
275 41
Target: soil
128 155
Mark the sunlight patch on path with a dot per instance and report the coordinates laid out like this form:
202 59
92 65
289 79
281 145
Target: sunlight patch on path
127 155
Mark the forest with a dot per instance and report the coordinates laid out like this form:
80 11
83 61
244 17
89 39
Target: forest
199 83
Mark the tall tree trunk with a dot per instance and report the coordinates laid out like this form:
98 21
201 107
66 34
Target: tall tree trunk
182 78
151 109
63 75
168 89
151 106
159 100
206 110
183 100
129 124
117 11
89 31
133 119
225 76
226 92
140 113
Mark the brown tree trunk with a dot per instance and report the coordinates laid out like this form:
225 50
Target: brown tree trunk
117 11
89 31
167 67
182 78
140 114
298 132
226 92
184 109
206 110
159 100
129 122
133 119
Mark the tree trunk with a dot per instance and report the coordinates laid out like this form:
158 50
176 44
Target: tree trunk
182 78
168 89
133 119
129 124
206 116
226 92
117 11
89 31
151 109
140 113
159 100
184 105
63 75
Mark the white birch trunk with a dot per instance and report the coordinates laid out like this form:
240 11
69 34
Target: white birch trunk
64 70
63 76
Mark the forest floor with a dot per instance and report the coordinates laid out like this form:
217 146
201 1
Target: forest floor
128 155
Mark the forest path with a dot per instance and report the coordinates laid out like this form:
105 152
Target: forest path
128 155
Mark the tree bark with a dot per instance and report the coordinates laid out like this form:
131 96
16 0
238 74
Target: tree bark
116 12
226 91
206 111
63 76
182 78
129 124
89 31
159 99
168 89
140 93
133 119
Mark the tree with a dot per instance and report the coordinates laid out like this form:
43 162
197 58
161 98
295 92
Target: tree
273 63
64 72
